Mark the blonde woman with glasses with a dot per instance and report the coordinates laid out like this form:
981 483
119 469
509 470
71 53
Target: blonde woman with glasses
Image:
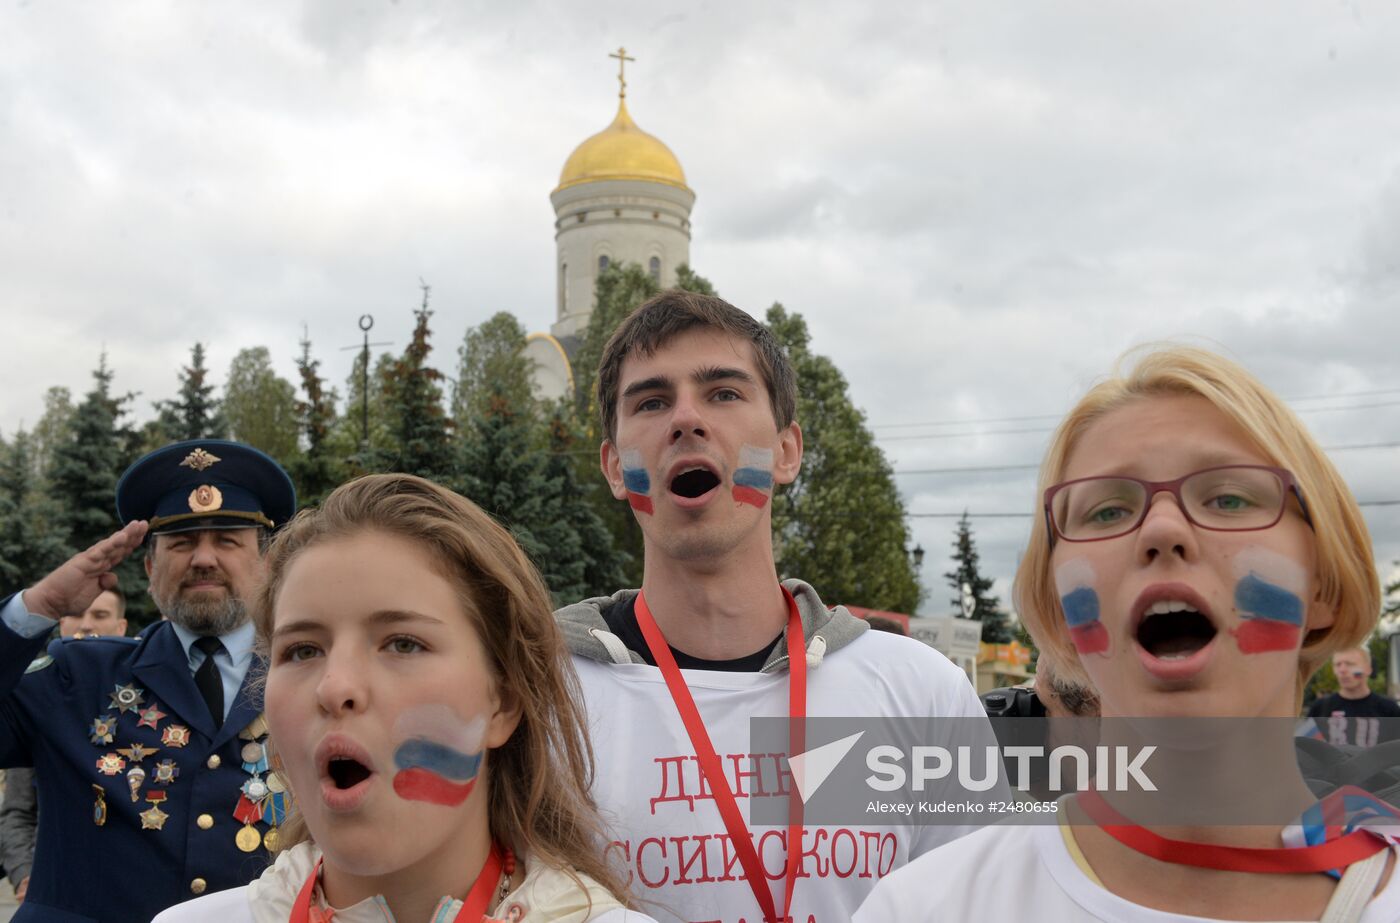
1194 556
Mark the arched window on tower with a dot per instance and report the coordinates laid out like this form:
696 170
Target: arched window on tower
564 287
604 263
654 268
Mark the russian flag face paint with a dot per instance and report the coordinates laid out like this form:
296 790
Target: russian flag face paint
1075 582
636 481
753 479
1269 597
439 756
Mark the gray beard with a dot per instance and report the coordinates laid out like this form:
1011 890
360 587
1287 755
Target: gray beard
204 618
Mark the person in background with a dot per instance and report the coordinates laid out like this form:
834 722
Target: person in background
19 811
149 752
1354 714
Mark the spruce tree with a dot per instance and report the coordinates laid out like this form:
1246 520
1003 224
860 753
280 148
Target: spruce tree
94 451
419 424
93 454
605 564
31 543
520 470
996 625
315 470
196 414
841 523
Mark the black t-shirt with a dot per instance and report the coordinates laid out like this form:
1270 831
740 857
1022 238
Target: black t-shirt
622 621
1357 721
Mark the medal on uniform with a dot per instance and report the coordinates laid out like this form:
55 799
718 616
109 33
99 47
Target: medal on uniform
127 698
166 772
254 792
256 728
109 764
102 729
99 807
136 753
175 735
274 811
154 819
248 839
150 718
134 777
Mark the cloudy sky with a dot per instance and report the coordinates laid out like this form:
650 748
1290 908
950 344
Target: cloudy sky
977 206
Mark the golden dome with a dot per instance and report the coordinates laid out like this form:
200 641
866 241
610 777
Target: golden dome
622 151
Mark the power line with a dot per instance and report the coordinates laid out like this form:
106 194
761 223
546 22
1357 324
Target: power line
971 515
974 469
973 421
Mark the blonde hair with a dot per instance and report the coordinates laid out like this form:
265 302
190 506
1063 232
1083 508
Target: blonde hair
538 781
1347 578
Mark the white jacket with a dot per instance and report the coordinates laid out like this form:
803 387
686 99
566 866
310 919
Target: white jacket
545 896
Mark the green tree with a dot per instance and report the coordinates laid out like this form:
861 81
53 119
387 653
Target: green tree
492 354
841 523
691 281
372 405
996 624
519 468
260 405
96 447
51 429
86 465
418 423
31 543
316 470
605 564
195 413
619 290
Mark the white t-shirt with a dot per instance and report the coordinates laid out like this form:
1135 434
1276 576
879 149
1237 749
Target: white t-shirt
1009 872
674 847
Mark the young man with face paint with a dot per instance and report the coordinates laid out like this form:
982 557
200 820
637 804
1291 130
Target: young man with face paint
698 407
1354 714
1196 556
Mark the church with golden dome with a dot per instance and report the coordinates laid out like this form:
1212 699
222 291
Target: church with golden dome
622 198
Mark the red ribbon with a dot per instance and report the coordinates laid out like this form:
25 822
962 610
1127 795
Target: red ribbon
714 770
1334 854
473 908
247 811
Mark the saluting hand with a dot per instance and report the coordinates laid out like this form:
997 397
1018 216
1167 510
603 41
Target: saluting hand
72 587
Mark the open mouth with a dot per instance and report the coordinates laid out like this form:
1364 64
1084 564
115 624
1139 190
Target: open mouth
695 482
346 773
1174 630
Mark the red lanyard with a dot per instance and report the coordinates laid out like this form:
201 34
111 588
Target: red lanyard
473 908
1334 854
714 770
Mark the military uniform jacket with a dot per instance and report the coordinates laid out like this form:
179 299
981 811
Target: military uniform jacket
116 845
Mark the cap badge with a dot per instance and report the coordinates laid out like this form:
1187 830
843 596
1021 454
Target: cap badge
206 498
200 460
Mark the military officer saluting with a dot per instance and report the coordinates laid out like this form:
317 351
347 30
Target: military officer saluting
150 752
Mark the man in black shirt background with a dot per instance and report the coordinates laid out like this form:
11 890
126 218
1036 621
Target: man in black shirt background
1352 714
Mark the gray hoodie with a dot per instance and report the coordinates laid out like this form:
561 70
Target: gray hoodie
824 630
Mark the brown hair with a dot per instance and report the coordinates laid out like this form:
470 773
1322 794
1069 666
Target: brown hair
1347 579
538 780
671 313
